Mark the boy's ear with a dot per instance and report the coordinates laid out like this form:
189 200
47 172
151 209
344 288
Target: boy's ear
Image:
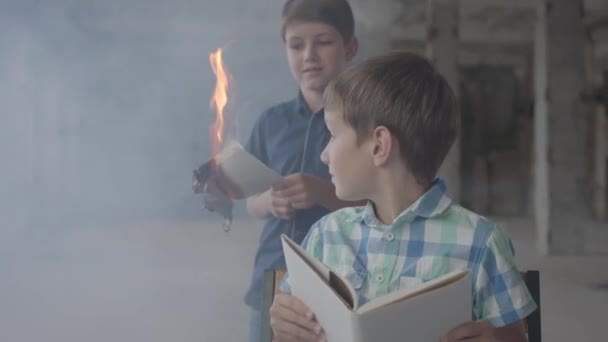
383 145
352 48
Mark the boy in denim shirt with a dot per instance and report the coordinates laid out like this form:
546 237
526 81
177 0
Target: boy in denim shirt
289 137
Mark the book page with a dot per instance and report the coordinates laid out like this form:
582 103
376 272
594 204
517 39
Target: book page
424 317
312 287
313 263
341 286
407 293
244 172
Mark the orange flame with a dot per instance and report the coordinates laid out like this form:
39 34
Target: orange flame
218 100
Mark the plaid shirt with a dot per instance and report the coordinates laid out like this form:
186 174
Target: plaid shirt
429 239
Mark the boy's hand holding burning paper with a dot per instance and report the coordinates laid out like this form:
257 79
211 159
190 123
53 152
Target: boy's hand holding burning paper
205 182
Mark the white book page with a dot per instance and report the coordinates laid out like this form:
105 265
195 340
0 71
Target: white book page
310 286
405 294
424 317
250 175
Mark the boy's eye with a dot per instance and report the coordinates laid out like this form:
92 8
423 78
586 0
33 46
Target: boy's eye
295 46
326 42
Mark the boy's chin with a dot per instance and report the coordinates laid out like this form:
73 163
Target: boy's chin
316 85
345 195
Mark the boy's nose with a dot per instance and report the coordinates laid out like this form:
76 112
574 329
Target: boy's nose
310 54
324 158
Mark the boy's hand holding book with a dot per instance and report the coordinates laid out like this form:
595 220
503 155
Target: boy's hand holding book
292 320
476 331
483 331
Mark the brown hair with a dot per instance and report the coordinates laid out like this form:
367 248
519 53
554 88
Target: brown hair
403 92
336 13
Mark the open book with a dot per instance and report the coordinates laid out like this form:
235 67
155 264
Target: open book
241 173
419 314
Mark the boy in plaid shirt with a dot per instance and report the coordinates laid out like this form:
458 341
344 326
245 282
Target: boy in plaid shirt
392 121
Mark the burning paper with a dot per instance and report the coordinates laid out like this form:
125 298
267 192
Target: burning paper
231 173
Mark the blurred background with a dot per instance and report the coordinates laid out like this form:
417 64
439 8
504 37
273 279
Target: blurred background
104 113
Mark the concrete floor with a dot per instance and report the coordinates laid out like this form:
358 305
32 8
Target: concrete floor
185 281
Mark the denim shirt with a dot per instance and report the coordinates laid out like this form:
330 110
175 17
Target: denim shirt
278 139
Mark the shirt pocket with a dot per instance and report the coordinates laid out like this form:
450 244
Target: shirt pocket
426 269
430 268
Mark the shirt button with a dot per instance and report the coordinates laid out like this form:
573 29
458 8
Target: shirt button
390 236
379 278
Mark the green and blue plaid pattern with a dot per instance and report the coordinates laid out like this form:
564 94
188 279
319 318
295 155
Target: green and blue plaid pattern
432 237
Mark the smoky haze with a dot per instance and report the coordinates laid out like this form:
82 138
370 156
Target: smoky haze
104 115
106 103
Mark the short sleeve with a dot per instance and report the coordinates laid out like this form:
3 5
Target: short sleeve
313 245
500 293
256 145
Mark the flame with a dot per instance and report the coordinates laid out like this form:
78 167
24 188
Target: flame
219 100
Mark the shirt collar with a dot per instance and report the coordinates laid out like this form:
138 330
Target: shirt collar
302 106
433 203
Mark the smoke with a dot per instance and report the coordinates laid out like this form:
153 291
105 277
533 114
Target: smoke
105 104
104 113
